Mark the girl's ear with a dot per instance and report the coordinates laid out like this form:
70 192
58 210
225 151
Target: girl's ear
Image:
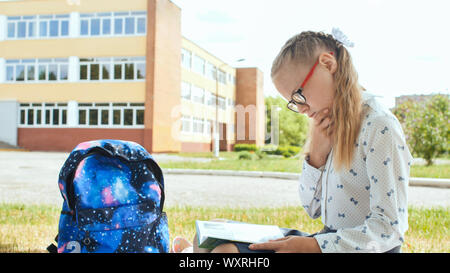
328 61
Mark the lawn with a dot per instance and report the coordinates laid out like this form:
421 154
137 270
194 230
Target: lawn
230 161
30 228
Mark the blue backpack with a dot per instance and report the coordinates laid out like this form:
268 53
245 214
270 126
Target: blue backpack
113 195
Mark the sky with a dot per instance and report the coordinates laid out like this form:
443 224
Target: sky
401 47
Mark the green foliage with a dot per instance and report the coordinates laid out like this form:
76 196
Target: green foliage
293 127
245 156
286 151
245 147
426 125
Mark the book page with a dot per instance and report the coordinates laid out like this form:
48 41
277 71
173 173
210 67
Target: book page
240 232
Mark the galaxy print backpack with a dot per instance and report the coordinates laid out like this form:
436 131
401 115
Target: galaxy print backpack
113 195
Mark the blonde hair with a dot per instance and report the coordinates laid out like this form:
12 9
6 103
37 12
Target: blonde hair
346 112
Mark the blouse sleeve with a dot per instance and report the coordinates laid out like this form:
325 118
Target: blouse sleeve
388 165
310 189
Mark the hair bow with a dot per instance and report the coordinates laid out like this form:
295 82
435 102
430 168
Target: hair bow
341 37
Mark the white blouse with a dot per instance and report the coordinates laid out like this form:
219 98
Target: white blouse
368 204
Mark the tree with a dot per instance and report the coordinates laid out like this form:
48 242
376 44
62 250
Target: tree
426 125
293 127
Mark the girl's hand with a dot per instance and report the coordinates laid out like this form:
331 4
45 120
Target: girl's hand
289 244
321 138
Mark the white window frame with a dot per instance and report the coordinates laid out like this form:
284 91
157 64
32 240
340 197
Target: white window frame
136 15
111 61
59 62
110 107
43 107
185 89
197 123
197 94
211 71
187 120
198 62
186 58
37 20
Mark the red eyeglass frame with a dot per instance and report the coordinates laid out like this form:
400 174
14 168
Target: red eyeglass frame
300 90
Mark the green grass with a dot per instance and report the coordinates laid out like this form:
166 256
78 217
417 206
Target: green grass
434 171
269 165
31 228
293 165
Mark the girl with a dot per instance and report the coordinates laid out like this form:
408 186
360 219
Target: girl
356 169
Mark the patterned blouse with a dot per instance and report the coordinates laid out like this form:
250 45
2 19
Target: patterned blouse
368 204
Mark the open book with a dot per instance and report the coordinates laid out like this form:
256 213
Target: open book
211 234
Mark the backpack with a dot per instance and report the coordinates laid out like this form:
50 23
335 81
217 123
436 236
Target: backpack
113 195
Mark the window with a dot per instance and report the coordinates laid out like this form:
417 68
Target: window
222 77
211 71
11 30
95 27
21 29
198 94
93 116
197 125
185 90
129 71
129 25
106 69
141 25
186 124
84 27
54 28
82 117
106 26
186 56
52 72
140 70
113 23
118 71
118 26
43 114
47 70
222 104
30 72
128 117
20 73
140 117
111 114
42 26
198 65
9 73
211 99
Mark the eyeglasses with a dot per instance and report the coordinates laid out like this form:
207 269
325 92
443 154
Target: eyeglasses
297 96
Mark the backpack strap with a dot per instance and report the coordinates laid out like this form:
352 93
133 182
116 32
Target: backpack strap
157 172
52 248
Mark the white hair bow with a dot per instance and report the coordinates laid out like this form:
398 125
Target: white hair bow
341 37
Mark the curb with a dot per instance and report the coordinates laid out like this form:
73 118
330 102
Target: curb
413 181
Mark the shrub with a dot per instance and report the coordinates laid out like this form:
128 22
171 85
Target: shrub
286 151
245 156
426 126
245 147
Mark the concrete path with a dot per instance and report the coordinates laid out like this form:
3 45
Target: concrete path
31 177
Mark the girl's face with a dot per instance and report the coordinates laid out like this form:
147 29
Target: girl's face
319 89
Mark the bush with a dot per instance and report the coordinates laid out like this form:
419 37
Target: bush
245 147
426 126
245 156
286 151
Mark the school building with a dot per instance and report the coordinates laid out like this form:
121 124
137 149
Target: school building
79 70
